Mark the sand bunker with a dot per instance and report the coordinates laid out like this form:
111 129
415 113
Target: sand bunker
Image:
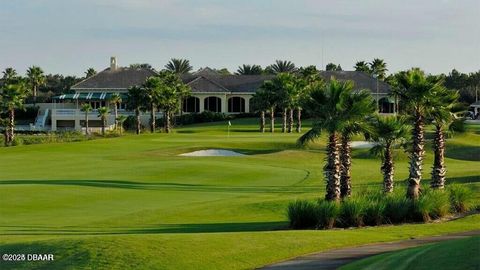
362 144
212 153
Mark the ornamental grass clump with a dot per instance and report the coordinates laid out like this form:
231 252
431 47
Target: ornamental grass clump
461 198
397 208
375 212
352 212
328 212
302 214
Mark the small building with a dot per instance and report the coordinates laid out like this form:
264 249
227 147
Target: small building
210 91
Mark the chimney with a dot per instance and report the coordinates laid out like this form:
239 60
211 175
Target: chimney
113 63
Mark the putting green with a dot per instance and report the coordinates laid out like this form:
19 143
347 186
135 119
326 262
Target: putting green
132 202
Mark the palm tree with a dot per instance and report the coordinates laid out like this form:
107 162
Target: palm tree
362 66
151 90
358 106
120 120
258 103
333 67
415 92
179 66
36 78
326 104
103 113
388 133
13 94
379 68
281 66
9 73
115 99
444 104
172 91
87 108
135 101
286 93
249 70
268 93
90 72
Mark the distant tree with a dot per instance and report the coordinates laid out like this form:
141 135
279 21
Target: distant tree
36 78
378 68
308 71
388 133
223 71
141 65
115 100
333 67
268 95
281 66
135 101
468 85
9 73
249 70
172 92
259 104
120 120
86 108
179 66
151 91
103 113
90 72
13 94
362 66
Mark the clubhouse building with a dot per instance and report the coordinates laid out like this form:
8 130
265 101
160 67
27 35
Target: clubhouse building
210 91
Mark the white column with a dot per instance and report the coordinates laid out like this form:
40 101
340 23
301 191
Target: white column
78 127
247 104
224 104
202 104
54 120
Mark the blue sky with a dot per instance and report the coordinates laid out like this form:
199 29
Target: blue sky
69 36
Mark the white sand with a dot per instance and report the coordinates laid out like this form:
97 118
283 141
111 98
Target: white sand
362 144
212 153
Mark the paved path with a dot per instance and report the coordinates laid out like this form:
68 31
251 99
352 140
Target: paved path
335 258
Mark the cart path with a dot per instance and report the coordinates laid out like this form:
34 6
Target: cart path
335 258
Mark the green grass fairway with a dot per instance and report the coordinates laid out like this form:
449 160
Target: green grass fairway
457 254
133 203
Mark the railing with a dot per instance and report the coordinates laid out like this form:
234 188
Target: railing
63 112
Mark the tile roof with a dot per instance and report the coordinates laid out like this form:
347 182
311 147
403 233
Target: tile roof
120 78
209 81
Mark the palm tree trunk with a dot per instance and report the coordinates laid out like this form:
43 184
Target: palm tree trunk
298 128
11 126
290 120
5 135
346 164
272 119
332 169
167 122
416 158
388 169
284 120
137 116
104 123
438 170
34 95
115 110
86 123
262 121
152 118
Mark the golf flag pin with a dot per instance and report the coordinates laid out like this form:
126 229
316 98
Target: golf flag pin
229 123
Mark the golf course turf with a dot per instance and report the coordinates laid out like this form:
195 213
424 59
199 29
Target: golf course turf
133 203
454 254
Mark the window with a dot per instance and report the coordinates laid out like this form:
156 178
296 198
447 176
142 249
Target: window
191 105
236 105
213 104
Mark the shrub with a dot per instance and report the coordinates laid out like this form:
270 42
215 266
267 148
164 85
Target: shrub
327 213
302 214
203 117
352 212
460 198
441 203
397 207
375 212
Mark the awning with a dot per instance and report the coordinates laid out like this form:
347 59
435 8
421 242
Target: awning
88 96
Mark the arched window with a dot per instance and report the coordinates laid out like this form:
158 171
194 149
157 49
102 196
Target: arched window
386 105
191 105
236 105
213 104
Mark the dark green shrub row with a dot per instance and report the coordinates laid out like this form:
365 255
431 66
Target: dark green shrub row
374 209
203 117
